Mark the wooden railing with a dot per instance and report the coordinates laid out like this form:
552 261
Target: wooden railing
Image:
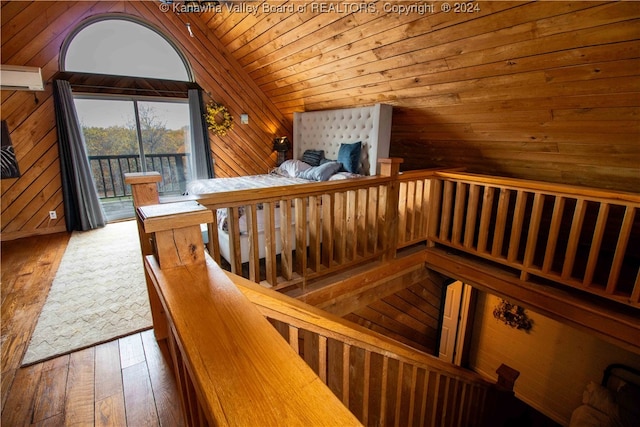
584 238
232 370
341 223
413 206
381 381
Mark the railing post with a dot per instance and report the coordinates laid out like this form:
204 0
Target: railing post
391 168
501 397
176 231
177 242
144 188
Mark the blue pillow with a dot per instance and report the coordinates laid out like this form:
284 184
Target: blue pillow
349 156
320 173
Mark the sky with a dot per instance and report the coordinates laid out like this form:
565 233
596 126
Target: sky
126 48
122 47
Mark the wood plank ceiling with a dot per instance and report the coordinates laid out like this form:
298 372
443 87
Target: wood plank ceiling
538 90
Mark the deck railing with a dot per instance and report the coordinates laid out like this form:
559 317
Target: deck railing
585 238
232 371
108 172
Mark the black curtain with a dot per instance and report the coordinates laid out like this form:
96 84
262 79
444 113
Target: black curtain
82 208
201 161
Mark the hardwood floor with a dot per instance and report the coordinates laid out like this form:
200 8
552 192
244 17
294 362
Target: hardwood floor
123 382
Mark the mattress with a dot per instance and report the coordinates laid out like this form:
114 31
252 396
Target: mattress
217 185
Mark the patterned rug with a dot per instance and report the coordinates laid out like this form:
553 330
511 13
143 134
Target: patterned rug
98 294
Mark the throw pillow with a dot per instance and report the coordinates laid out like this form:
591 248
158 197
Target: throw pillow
320 173
291 168
313 157
349 156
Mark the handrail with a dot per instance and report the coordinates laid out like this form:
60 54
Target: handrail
542 186
342 223
584 238
226 354
232 198
399 385
518 223
231 366
280 307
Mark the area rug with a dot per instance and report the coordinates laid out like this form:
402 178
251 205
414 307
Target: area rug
98 294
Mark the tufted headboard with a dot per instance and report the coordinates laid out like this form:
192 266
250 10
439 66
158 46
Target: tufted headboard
326 130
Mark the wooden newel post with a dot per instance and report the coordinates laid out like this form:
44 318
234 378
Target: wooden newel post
390 167
177 240
176 230
144 188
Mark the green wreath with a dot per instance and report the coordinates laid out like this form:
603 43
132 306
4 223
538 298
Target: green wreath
214 112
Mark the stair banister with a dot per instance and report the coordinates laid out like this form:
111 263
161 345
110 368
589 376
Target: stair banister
231 365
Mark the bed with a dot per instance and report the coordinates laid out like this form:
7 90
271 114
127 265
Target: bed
612 403
327 145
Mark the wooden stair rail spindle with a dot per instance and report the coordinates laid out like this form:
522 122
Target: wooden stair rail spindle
144 189
391 168
232 366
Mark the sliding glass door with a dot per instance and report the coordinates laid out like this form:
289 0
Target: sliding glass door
134 135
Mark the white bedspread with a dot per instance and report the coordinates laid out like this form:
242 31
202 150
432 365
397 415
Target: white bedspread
217 185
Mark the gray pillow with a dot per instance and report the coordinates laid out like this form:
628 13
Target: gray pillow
313 157
320 173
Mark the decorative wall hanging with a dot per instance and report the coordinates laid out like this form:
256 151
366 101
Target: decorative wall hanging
8 158
219 120
512 315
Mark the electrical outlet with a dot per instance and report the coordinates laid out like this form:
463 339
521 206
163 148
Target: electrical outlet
53 215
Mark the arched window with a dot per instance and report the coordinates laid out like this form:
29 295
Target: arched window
122 46
157 127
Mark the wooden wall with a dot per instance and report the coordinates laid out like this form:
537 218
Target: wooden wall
32 34
537 90
410 315
400 299
555 361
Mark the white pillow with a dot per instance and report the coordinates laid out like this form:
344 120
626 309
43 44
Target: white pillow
600 398
291 168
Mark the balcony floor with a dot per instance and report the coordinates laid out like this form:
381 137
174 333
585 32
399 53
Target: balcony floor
118 208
